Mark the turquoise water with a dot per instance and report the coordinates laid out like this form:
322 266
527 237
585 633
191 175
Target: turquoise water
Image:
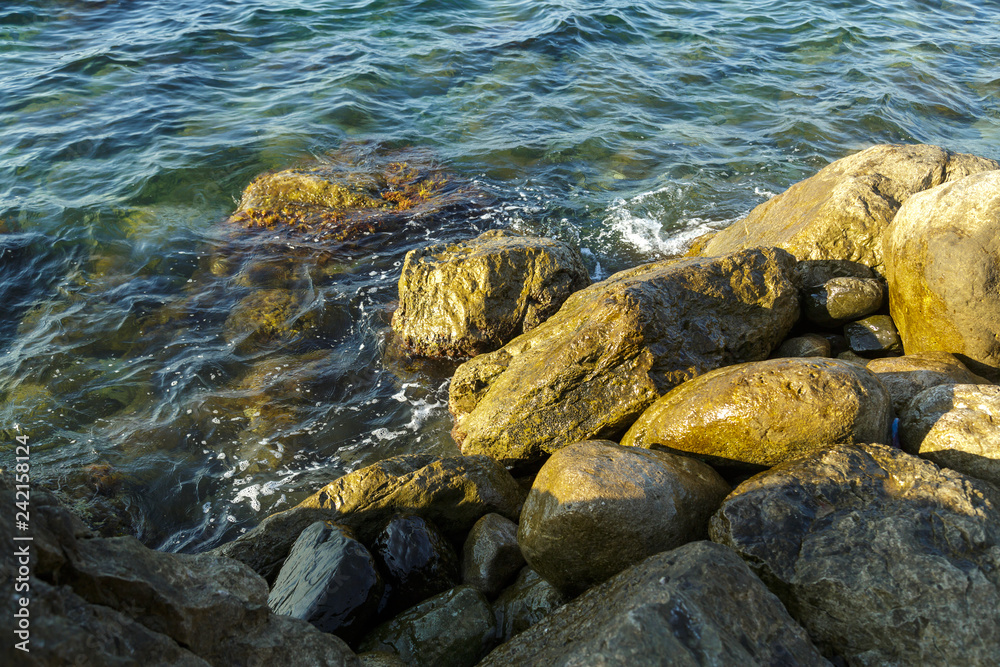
129 129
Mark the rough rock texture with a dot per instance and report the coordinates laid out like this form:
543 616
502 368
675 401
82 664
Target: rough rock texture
907 376
810 345
417 560
696 605
943 266
874 336
841 212
615 347
453 492
330 580
596 508
763 413
840 300
956 426
491 556
474 296
453 629
525 602
883 557
116 602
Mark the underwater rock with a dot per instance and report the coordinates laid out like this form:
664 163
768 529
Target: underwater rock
907 376
416 559
763 413
491 556
942 262
956 426
269 316
613 348
474 296
595 508
696 605
841 212
330 580
882 556
524 603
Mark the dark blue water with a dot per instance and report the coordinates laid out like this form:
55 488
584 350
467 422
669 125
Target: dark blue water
129 129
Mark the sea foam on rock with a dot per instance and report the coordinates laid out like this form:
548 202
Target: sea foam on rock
615 347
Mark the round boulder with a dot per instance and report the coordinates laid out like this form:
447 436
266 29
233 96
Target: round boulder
810 345
956 426
907 376
763 413
474 296
595 508
943 265
840 300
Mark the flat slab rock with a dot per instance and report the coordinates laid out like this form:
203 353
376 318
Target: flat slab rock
696 605
883 557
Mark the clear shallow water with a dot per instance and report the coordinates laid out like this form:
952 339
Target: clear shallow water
129 129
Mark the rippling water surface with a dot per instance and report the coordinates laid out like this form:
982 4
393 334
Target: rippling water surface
129 128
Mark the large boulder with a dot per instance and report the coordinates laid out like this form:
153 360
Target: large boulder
841 212
474 296
696 605
943 264
612 349
453 492
595 508
956 426
763 413
907 376
883 557
116 602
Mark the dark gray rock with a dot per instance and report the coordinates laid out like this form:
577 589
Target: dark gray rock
453 629
696 605
810 345
417 560
874 336
524 603
491 557
330 580
883 557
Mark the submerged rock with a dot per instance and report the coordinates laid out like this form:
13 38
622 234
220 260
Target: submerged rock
696 605
524 603
907 376
763 413
474 296
596 508
841 212
956 426
417 560
883 557
330 580
453 629
615 347
942 261
453 492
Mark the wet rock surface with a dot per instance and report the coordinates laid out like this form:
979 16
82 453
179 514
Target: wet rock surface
841 212
453 492
883 557
907 376
942 264
491 556
810 345
698 604
874 336
956 426
524 603
453 629
615 347
762 413
329 579
840 300
596 507
417 560
474 296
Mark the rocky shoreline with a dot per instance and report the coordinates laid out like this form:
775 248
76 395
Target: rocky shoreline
783 448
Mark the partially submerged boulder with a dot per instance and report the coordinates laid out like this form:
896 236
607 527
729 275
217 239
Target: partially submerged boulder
907 376
615 347
943 265
841 212
696 605
596 508
453 492
883 557
956 426
474 296
760 414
